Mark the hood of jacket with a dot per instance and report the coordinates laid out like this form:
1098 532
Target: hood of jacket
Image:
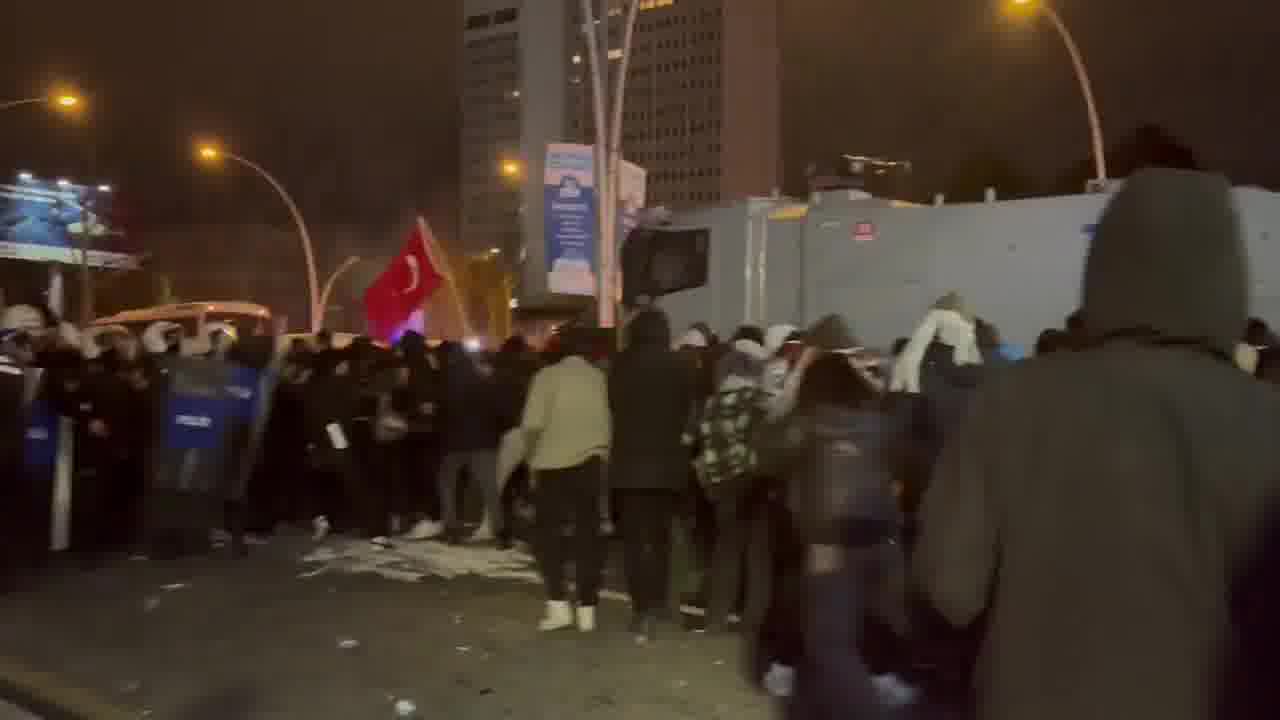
1168 260
649 330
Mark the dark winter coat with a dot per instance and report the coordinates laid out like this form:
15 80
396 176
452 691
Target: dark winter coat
1096 502
650 398
470 417
514 369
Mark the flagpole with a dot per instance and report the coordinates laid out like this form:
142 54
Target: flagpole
440 258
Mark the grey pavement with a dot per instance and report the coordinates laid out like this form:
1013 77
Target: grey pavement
348 633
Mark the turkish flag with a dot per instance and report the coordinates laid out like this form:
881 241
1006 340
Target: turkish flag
404 286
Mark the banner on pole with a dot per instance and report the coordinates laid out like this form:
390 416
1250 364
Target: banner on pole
572 212
570 219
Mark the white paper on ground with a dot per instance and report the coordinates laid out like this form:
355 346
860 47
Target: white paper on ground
337 438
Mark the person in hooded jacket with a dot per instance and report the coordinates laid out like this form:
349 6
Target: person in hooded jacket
330 403
472 432
1097 504
835 451
419 400
514 368
729 472
933 380
566 424
650 400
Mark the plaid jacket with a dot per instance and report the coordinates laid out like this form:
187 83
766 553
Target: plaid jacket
725 435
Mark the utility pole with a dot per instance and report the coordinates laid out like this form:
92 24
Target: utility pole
608 142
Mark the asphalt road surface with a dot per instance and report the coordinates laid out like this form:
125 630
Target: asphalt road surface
344 632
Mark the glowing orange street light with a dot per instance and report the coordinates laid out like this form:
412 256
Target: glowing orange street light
512 169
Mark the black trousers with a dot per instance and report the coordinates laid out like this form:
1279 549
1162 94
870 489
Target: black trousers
418 458
335 489
742 548
645 518
515 492
570 497
24 521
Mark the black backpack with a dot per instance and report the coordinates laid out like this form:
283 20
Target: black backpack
849 498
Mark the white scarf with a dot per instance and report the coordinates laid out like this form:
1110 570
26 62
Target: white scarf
947 326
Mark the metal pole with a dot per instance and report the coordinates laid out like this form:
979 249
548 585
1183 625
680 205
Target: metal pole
604 309
615 161
1095 124
307 249
18 103
328 285
87 221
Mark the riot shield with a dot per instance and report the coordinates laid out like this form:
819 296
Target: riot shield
190 448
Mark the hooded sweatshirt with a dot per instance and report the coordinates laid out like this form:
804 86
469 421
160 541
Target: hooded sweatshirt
1096 502
650 401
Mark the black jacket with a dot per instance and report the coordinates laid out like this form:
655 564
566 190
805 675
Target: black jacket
1098 501
650 398
471 420
513 374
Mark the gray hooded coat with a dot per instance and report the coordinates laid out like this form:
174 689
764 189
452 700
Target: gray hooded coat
1097 502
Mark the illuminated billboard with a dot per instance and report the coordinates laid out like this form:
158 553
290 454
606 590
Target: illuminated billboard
44 221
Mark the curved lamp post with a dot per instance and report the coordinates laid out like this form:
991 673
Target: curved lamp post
1082 74
333 279
63 101
211 154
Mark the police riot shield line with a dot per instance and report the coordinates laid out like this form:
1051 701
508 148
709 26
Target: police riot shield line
47 470
208 421
208 437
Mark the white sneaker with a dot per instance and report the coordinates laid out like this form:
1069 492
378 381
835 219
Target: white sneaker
484 533
382 542
780 681
894 691
586 618
320 528
424 529
559 616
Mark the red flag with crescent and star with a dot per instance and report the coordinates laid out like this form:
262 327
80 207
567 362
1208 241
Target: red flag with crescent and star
404 286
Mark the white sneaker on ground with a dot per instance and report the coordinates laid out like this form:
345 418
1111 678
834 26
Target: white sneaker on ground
559 616
381 542
320 528
780 681
587 618
894 691
424 529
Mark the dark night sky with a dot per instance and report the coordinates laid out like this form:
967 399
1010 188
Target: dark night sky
354 105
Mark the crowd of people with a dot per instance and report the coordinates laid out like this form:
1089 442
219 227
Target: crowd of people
1070 534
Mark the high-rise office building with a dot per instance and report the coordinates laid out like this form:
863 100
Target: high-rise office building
701 114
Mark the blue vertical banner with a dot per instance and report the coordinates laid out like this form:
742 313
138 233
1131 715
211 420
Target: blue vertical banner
570 191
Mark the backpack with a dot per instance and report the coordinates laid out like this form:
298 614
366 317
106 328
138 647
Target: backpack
726 433
848 499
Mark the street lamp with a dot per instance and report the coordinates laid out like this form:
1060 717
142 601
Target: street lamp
210 153
512 169
1030 7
